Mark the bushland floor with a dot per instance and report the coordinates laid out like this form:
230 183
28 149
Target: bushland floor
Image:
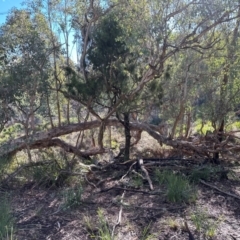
43 213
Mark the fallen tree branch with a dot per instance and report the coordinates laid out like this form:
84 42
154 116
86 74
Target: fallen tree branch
190 235
92 184
50 138
119 214
128 189
128 171
140 161
219 190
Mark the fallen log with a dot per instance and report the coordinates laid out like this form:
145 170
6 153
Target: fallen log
51 138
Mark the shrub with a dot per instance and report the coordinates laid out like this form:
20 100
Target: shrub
200 174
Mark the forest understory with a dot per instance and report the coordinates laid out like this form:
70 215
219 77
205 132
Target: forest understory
119 119
122 200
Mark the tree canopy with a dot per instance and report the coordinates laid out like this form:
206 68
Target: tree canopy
172 63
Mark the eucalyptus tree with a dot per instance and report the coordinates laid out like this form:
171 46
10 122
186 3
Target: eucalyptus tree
121 70
26 71
24 77
167 28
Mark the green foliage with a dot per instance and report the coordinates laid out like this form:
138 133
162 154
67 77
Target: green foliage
10 132
104 231
72 198
204 173
233 126
146 233
107 46
47 169
112 67
155 91
115 144
161 176
25 75
77 87
178 188
6 221
100 230
137 181
44 175
204 224
207 126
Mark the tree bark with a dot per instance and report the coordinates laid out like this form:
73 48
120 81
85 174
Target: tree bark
50 139
127 136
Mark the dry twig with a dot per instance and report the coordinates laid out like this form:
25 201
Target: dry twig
119 214
140 161
129 170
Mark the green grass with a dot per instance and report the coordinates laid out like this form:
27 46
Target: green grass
178 188
6 221
204 173
72 198
161 177
204 224
98 228
103 229
146 233
137 181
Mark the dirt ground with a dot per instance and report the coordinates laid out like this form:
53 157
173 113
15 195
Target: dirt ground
39 213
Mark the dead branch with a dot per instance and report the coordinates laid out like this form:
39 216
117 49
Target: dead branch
219 190
130 190
92 184
191 237
129 170
45 139
119 214
140 161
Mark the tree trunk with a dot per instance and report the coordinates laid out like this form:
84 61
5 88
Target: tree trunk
127 136
127 132
220 138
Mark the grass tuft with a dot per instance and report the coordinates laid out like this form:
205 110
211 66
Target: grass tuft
178 189
103 229
204 224
6 222
99 230
72 198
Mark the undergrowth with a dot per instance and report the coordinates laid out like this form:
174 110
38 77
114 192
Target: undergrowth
101 230
6 220
205 173
204 224
178 188
72 197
